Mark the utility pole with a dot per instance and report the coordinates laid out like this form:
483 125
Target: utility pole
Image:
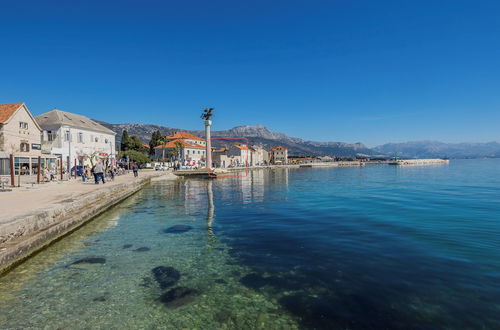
207 114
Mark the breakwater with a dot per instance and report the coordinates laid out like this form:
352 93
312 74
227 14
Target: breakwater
419 161
23 235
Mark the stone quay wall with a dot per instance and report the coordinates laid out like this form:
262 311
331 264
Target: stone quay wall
22 236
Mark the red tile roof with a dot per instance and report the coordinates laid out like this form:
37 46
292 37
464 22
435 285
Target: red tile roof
183 143
241 147
7 110
184 135
278 148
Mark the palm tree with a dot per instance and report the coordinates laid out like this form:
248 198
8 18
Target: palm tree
162 140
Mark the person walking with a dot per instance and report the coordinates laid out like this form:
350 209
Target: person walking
112 173
99 173
135 169
84 174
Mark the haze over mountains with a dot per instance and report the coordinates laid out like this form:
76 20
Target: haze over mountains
298 147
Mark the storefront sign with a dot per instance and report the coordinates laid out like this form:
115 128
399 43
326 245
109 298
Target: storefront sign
36 146
103 154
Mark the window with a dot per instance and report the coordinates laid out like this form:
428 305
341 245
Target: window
4 166
187 152
67 136
50 136
198 152
23 125
80 137
106 141
25 147
96 139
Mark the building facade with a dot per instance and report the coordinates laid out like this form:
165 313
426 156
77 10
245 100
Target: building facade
20 136
260 156
77 139
279 155
183 147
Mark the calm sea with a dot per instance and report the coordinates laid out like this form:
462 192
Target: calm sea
373 247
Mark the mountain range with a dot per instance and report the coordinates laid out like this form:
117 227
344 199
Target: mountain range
436 149
261 135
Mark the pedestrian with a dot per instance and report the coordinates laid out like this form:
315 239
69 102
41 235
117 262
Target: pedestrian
84 174
135 169
99 173
112 173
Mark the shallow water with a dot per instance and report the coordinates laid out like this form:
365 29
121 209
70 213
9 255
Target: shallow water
332 248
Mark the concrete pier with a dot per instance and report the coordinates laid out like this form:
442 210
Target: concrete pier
31 220
419 161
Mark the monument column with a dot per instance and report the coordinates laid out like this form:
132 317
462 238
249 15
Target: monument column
208 158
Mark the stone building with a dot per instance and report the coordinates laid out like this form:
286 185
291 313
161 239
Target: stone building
77 139
279 155
260 156
20 136
183 147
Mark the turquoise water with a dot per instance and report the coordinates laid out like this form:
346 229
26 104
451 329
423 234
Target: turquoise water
375 247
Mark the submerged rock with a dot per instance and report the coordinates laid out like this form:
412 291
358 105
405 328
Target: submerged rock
223 315
101 298
126 246
178 296
253 281
146 282
142 249
177 229
166 276
90 260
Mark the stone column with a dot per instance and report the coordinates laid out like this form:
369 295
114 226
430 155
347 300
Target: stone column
208 158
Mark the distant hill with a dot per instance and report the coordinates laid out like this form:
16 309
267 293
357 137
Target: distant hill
435 149
256 135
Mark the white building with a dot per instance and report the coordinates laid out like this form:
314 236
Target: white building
279 155
260 156
78 139
183 147
240 154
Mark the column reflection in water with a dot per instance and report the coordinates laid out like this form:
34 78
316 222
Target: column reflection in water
212 239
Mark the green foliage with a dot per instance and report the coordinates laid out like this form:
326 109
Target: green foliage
156 139
131 143
134 156
136 144
125 141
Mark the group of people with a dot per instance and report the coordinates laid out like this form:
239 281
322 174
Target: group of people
100 172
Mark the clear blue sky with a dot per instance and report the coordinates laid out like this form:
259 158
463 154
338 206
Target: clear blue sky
347 70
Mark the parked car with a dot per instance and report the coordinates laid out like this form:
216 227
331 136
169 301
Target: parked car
79 170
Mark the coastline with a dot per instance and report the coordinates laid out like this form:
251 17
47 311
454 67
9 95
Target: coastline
25 233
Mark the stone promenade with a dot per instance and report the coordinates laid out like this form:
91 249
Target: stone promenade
32 217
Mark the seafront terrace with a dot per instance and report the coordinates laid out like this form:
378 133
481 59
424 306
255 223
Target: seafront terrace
34 216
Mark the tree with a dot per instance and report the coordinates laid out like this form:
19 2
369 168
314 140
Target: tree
125 141
178 148
156 139
136 144
135 156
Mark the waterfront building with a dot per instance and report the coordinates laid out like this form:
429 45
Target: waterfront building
221 158
20 136
260 156
183 147
78 140
240 155
279 155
